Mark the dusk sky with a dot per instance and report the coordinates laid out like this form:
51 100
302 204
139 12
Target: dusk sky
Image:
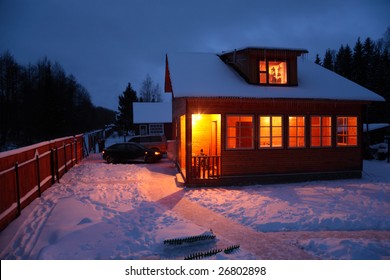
106 44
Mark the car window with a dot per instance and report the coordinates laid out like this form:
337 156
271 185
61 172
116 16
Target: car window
135 139
155 139
120 147
133 148
145 139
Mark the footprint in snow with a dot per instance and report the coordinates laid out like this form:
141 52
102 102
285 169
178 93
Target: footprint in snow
85 221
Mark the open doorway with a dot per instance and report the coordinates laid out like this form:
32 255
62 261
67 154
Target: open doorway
206 146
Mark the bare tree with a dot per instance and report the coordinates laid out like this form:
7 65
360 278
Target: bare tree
150 91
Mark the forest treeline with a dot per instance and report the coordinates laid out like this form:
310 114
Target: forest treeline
41 102
367 64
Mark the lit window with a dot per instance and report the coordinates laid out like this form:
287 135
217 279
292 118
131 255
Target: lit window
272 72
239 132
321 131
271 132
156 128
296 132
346 131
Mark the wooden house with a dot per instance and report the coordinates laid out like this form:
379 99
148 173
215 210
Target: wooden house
153 118
263 115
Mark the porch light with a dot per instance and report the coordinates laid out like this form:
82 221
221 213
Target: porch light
196 118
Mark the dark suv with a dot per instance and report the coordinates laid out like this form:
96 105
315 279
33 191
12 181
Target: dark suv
125 152
154 142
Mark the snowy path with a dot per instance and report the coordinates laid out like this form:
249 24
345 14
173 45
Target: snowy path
263 246
103 211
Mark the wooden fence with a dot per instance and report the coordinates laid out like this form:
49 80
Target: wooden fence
27 172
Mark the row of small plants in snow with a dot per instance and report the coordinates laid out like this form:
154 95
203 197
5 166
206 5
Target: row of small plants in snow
197 238
201 255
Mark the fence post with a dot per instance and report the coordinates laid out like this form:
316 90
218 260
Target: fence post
66 169
17 187
52 168
75 149
38 176
56 166
71 154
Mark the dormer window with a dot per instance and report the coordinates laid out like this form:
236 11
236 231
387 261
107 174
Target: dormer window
272 72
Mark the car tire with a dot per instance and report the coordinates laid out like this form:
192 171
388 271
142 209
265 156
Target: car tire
109 159
149 159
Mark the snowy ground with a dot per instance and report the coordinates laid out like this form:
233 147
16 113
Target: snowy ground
126 211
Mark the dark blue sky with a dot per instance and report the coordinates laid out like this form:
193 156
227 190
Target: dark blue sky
107 43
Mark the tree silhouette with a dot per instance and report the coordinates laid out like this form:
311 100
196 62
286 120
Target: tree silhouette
149 91
40 102
369 66
328 62
125 117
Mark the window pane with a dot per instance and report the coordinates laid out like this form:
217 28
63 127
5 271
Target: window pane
315 141
277 142
262 66
263 78
326 141
277 72
277 121
292 131
326 121
265 131
315 121
265 121
326 131
316 132
301 142
277 131
231 143
265 142
352 121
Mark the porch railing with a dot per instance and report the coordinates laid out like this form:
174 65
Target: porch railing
206 167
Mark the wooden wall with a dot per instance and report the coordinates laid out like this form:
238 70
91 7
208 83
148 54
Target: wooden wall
282 160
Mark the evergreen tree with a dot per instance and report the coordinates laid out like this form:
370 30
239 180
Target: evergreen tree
318 60
343 62
125 117
359 64
328 62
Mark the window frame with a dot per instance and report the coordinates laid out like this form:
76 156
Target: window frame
297 136
239 137
267 74
271 136
321 127
356 135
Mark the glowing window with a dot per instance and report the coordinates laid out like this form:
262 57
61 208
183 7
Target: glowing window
272 72
321 131
347 131
271 132
239 132
296 132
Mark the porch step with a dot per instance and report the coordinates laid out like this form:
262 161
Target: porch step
179 180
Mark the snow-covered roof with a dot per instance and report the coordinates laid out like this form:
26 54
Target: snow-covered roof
206 75
152 112
375 126
302 50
